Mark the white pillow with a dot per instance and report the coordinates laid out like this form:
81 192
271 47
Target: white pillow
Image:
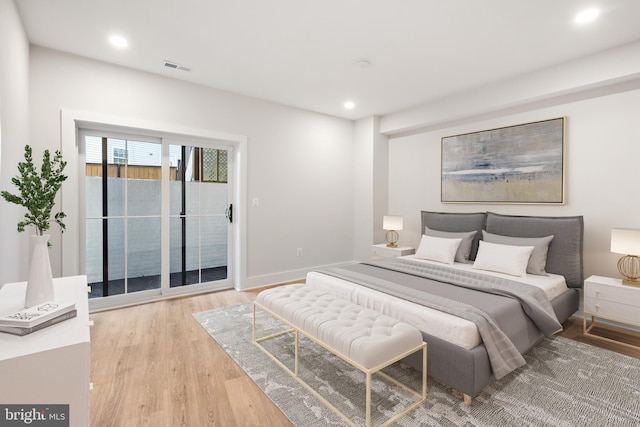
464 250
506 259
438 249
538 259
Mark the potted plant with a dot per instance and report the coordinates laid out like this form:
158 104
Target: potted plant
37 193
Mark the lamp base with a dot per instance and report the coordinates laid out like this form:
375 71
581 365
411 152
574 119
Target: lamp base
629 268
631 282
392 239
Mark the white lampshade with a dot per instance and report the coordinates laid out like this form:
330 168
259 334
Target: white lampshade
625 241
392 222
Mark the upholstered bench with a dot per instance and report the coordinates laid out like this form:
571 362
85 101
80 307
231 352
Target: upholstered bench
367 339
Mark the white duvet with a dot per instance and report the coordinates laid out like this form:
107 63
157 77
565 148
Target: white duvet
442 325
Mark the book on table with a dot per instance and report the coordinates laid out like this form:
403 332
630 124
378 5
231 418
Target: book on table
33 316
18 330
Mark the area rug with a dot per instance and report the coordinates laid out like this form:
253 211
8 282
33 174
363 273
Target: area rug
565 383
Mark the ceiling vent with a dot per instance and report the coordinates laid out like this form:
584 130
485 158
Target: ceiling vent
171 64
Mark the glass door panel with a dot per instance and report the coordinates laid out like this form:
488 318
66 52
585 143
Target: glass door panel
123 215
199 227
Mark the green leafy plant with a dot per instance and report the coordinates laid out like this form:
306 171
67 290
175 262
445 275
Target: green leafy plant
37 191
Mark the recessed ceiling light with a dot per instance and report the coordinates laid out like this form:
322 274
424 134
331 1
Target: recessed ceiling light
349 105
586 16
118 41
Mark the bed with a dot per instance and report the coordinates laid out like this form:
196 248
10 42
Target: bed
434 296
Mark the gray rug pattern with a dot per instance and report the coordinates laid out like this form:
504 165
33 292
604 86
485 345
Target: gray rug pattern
565 383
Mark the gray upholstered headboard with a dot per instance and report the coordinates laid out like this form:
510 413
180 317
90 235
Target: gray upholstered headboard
565 254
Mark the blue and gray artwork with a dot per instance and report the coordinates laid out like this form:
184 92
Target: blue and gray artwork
517 164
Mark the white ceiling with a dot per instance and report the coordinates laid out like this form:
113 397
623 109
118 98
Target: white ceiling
305 53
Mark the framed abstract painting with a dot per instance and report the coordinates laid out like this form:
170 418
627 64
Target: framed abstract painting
515 164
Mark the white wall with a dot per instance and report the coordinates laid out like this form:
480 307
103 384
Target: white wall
299 162
602 161
14 135
371 193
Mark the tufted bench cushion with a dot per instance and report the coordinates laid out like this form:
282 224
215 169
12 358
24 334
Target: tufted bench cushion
365 336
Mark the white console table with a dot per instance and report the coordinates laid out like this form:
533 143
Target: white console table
52 365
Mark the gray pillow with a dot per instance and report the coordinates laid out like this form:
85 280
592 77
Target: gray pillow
462 255
456 222
538 259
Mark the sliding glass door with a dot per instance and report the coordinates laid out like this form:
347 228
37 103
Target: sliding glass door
140 190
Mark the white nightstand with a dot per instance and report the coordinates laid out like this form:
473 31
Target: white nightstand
608 298
381 251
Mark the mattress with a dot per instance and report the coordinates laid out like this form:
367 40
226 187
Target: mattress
450 328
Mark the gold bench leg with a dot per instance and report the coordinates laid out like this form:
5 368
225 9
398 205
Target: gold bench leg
296 361
424 373
368 403
253 329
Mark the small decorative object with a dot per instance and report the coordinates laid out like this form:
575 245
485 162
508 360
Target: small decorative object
37 193
515 164
392 223
627 241
38 317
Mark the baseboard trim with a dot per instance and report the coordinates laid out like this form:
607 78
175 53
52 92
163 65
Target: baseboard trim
257 282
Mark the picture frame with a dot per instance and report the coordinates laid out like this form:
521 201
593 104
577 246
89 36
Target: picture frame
520 164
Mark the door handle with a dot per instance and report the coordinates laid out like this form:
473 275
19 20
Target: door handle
229 213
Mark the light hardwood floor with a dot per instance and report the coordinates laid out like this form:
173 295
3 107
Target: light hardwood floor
154 365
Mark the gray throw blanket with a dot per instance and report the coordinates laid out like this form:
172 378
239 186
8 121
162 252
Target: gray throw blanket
503 355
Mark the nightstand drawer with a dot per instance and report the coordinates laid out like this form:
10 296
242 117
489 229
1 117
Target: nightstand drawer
612 310
622 294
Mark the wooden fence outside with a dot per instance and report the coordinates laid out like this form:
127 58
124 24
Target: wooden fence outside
133 172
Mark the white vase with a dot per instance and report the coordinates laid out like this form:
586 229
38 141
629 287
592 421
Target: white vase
40 282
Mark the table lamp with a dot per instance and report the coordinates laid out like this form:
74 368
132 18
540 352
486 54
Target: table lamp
627 241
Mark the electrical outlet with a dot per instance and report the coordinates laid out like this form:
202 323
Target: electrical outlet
299 252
